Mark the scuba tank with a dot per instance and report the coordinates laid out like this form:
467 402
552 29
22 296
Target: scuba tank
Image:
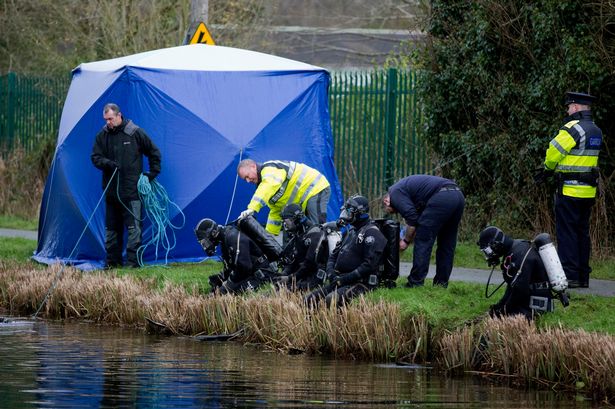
390 229
553 266
332 231
265 241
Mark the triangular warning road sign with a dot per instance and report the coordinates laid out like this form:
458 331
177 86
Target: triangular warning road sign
202 36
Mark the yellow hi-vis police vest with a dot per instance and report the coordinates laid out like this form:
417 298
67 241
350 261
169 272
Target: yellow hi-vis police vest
573 155
282 183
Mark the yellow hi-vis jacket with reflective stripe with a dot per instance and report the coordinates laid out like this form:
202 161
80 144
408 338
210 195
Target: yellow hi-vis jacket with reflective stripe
282 183
574 152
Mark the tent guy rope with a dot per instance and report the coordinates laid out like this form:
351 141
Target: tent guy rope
59 274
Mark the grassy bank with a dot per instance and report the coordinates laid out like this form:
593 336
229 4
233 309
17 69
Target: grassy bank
18 223
444 308
467 254
570 349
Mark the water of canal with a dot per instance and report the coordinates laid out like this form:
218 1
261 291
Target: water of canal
75 365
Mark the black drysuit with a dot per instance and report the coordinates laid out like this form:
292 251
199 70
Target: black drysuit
525 276
354 265
245 265
310 253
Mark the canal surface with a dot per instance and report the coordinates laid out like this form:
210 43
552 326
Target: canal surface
79 365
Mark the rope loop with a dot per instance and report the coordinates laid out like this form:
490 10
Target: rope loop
158 207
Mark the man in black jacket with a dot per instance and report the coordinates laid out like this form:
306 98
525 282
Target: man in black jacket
354 266
245 265
308 248
118 151
432 208
528 290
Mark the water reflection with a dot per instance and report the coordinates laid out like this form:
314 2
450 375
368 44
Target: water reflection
84 365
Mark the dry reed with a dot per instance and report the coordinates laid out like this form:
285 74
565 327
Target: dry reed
514 347
280 321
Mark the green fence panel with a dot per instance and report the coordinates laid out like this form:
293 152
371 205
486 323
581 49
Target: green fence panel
374 117
30 110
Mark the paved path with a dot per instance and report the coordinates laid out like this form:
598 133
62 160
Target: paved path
597 287
26 234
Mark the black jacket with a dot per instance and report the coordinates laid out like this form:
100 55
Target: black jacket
125 146
531 281
409 196
311 251
359 254
241 255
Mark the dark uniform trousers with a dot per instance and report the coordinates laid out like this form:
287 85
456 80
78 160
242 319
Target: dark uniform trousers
316 207
572 229
440 220
118 216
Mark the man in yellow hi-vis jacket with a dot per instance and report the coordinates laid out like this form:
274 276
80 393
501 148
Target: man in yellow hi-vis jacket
572 157
284 182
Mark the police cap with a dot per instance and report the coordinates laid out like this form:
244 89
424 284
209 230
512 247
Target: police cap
579 98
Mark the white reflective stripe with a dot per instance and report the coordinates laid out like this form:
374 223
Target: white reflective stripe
237 248
259 200
310 188
575 183
291 169
581 131
283 185
570 168
289 164
559 147
275 222
298 183
585 152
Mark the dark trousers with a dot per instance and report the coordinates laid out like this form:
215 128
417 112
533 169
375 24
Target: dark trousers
316 207
117 216
572 230
440 220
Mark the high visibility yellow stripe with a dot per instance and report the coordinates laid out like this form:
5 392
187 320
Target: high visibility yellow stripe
558 149
583 192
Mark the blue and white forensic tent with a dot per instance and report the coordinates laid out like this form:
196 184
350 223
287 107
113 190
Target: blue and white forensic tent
206 108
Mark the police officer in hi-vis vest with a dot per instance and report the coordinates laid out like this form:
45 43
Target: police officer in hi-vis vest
572 157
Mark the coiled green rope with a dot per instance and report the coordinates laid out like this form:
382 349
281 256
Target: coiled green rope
158 207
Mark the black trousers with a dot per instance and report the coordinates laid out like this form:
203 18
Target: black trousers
572 230
439 221
117 217
316 207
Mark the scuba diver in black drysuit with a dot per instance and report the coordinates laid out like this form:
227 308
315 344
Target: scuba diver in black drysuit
246 267
529 289
307 251
354 266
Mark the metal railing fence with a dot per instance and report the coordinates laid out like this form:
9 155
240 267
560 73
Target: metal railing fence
374 117
30 109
